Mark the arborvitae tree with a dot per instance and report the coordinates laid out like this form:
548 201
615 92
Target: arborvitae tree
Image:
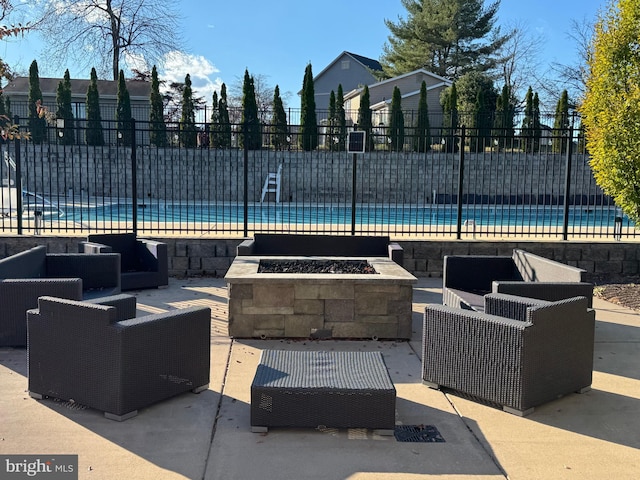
331 138
65 110
251 137
308 138
188 131
365 122
611 106
537 126
158 134
279 127
342 120
93 135
422 138
123 112
503 123
37 124
7 107
396 122
561 124
449 102
214 126
526 133
481 137
223 118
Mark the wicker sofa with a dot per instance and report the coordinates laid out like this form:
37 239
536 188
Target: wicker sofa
144 261
268 244
467 278
519 353
98 354
28 275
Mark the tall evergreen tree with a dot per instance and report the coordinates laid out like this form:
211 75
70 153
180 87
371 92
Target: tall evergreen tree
422 138
37 124
526 133
331 137
537 126
214 126
342 119
65 111
503 123
481 138
449 102
158 134
279 127
365 121
611 106
123 112
308 138
251 137
561 124
223 118
94 135
396 122
447 38
188 131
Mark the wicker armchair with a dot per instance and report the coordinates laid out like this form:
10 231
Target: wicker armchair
144 262
28 275
519 353
467 278
99 355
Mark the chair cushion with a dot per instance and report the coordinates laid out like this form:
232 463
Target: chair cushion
28 264
122 243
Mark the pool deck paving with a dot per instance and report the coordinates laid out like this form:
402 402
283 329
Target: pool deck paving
208 435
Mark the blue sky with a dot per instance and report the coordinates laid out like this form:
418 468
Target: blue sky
277 39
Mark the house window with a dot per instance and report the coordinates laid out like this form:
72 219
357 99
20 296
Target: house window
80 110
345 64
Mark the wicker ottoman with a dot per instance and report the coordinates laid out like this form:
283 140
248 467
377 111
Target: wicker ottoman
330 389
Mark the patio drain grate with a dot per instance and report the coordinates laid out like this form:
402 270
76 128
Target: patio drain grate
417 434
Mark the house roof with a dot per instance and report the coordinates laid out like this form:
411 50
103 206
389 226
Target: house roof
369 63
383 103
443 81
106 88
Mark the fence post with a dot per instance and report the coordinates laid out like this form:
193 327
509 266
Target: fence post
463 132
567 186
18 179
354 163
134 176
245 195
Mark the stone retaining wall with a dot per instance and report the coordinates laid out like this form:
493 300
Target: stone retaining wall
423 258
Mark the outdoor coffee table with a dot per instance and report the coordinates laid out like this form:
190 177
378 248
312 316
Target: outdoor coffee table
322 389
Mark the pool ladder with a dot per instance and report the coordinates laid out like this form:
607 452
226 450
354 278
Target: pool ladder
272 184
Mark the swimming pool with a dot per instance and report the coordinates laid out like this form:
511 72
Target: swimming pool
405 215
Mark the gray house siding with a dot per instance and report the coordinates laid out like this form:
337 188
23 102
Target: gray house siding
347 70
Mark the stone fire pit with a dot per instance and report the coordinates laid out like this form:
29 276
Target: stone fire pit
320 305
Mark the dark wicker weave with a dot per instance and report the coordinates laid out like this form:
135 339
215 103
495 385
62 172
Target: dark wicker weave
525 352
292 244
467 278
90 353
144 262
332 389
33 273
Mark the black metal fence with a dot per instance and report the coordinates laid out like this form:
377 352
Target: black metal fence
465 185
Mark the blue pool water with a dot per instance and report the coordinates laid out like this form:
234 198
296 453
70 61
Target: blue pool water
525 215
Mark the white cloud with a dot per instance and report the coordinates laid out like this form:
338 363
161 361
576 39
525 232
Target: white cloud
203 80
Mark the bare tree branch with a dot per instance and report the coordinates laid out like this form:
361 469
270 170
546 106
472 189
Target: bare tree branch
108 34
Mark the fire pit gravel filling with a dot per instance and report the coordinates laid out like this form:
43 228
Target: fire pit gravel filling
316 266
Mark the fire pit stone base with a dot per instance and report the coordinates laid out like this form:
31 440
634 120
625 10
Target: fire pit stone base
323 305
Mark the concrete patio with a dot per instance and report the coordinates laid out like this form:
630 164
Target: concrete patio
207 436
